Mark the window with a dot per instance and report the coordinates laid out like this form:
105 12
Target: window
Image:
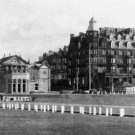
95 44
69 71
77 70
121 61
129 69
104 69
19 85
112 52
33 76
24 85
129 61
36 86
77 61
95 52
113 69
59 60
83 80
79 45
14 85
104 60
113 60
69 81
120 52
128 53
95 60
103 52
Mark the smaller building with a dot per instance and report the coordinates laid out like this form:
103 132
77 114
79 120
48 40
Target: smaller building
40 77
17 76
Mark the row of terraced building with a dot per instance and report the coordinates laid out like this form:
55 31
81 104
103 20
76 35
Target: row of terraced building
112 58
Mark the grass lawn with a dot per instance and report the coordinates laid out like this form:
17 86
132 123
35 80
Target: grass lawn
19 122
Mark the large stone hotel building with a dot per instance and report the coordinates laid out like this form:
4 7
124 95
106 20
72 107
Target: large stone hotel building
112 57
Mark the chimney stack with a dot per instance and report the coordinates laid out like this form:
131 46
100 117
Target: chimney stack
71 35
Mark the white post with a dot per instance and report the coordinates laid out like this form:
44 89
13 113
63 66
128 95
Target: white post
122 112
89 110
3 105
111 111
94 111
72 110
100 110
29 107
80 109
36 108
48 108
55 108
44 108
41 107
22 106
106 111
110 93
62 109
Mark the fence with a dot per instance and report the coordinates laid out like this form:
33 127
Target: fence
71 108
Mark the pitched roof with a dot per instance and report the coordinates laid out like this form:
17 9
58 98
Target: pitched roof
6 58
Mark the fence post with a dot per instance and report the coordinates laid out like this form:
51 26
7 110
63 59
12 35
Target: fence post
62 109
3 105
29 107
72 110
48 108
94 111
106 111
89 110
55 108
41 107
122 112
80 109
83 110
44 108
22 106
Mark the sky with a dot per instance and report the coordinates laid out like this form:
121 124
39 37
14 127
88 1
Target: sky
32 27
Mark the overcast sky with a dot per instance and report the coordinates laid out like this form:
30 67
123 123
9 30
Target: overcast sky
32 27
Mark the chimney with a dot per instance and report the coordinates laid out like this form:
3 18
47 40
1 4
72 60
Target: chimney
50 51
80 33
59 49
71 35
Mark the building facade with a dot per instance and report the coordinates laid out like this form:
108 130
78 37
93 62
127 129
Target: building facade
112 57
17 76
58 63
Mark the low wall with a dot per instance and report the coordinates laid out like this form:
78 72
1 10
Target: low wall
122 100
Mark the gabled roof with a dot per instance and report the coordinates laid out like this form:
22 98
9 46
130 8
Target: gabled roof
10 57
